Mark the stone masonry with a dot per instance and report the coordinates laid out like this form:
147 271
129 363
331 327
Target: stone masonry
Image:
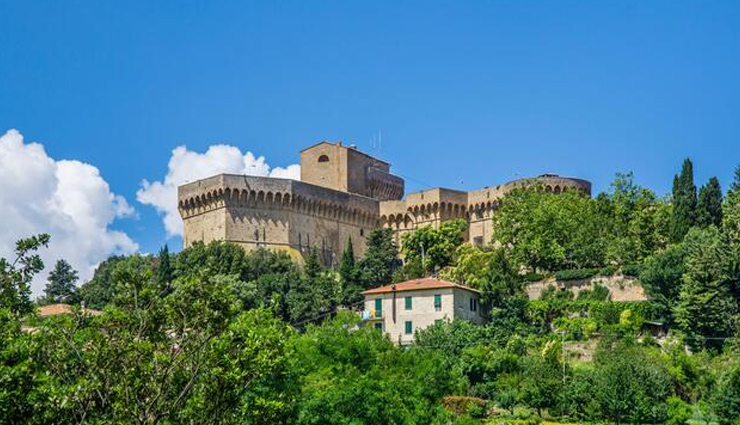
343 194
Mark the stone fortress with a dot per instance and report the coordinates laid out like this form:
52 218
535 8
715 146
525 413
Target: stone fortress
343 193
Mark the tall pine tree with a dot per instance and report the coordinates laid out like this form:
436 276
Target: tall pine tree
709 206
684 202
706 307
61 286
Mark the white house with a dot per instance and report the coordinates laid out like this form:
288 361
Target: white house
403 308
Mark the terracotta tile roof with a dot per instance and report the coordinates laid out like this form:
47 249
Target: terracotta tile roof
54 309
416 285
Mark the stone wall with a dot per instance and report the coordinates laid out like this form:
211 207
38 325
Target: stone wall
277 214
621 288
343 193
433 206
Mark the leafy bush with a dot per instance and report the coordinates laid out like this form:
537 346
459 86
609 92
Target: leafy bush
552 293
576 328
506 421
608 271
460 404
576 274
631 270
541 312
679 412
534 277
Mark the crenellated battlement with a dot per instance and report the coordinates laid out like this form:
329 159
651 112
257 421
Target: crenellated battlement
344 194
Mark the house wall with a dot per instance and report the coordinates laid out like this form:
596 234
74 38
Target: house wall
455 305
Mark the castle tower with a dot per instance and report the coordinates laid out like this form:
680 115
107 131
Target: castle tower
346 169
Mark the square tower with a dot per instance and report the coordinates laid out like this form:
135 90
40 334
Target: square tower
346 169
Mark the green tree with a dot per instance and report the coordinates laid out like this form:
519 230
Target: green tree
62 284
349 275
355 375
634 219
542 379
631 384
545 231
380 260
684 202
20 376
164 268
706 307
725 400
709 205
312 298
99 291
16 275
434 247
731 211
662 276
471 267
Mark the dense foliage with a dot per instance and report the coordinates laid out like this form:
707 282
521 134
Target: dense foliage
217 335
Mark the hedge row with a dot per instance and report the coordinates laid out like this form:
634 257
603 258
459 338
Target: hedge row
546 311
630 270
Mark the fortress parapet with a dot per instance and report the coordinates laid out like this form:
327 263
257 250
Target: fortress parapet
342 195
275 213
431 207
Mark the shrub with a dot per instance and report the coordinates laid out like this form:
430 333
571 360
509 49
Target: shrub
506 421
598 293
679 412
460 405
608 271
534 277
631 270
576 328
576 274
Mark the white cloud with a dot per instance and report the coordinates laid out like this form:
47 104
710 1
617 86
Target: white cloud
187 166
67 199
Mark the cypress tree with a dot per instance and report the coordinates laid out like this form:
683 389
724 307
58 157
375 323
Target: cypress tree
684 202
348 273
312 267
709 206
347 269
164 272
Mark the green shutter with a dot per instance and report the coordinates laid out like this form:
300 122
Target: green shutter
437 301
378 307
409 327
409 303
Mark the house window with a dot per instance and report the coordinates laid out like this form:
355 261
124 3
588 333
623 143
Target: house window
437 302
324 158
362 232
379 326
478 240
409 303
378 307
473 304
408 327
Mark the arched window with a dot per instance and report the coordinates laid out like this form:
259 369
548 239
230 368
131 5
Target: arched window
324 158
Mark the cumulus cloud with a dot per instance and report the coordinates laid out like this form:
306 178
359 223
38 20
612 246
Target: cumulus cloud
67 199
187 166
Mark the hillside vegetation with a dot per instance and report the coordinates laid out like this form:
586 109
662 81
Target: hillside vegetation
216 335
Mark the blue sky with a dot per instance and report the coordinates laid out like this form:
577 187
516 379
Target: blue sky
466 94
